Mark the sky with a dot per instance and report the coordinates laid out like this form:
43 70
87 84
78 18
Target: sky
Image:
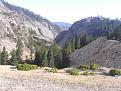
71 10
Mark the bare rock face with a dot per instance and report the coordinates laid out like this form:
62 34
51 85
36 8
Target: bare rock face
19 23
104 52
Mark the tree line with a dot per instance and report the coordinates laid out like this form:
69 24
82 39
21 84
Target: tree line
53 56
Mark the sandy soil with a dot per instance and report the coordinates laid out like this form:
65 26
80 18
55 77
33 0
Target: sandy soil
41 80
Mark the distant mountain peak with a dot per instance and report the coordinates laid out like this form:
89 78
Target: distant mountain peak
63 25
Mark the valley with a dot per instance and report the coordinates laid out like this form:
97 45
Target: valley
37 54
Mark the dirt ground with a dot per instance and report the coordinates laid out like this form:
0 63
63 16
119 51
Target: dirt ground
60 81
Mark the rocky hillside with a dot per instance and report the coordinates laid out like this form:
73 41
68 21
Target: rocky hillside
101 51
19 23
95 26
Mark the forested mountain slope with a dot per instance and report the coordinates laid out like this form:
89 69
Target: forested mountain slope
94 26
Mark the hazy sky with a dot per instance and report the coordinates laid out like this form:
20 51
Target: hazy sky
71 10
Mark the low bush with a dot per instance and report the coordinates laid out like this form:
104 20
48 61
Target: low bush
53 70
73 71
84 67
47 69
114 72
26 67
94 67
87 73
92 74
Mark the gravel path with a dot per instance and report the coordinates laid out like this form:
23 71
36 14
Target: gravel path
7 84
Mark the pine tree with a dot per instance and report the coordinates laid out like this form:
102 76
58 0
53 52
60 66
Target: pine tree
19 50
68 46
90 38
77 43
65 54
14 60
50 58
59 60
116 34
65 57
55 49
73 45
44 59
0 57
4 56
31 45
37 60
31 54
57 54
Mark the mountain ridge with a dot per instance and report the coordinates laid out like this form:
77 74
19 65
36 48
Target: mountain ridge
63 25
95 26
19 23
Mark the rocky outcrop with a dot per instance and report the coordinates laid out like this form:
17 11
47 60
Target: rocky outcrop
19 23
104 52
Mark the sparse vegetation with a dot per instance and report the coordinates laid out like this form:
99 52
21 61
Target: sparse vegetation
114 72
4 57
53 70
73 71
26 67
84 67
94 67
87 73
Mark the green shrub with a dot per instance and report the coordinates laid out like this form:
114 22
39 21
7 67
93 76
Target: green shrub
53 70
87 73
73 71
48 70
84 67
26 67
92 74
114 72
94 67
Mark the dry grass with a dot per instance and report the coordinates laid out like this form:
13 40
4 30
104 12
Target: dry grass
94 82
